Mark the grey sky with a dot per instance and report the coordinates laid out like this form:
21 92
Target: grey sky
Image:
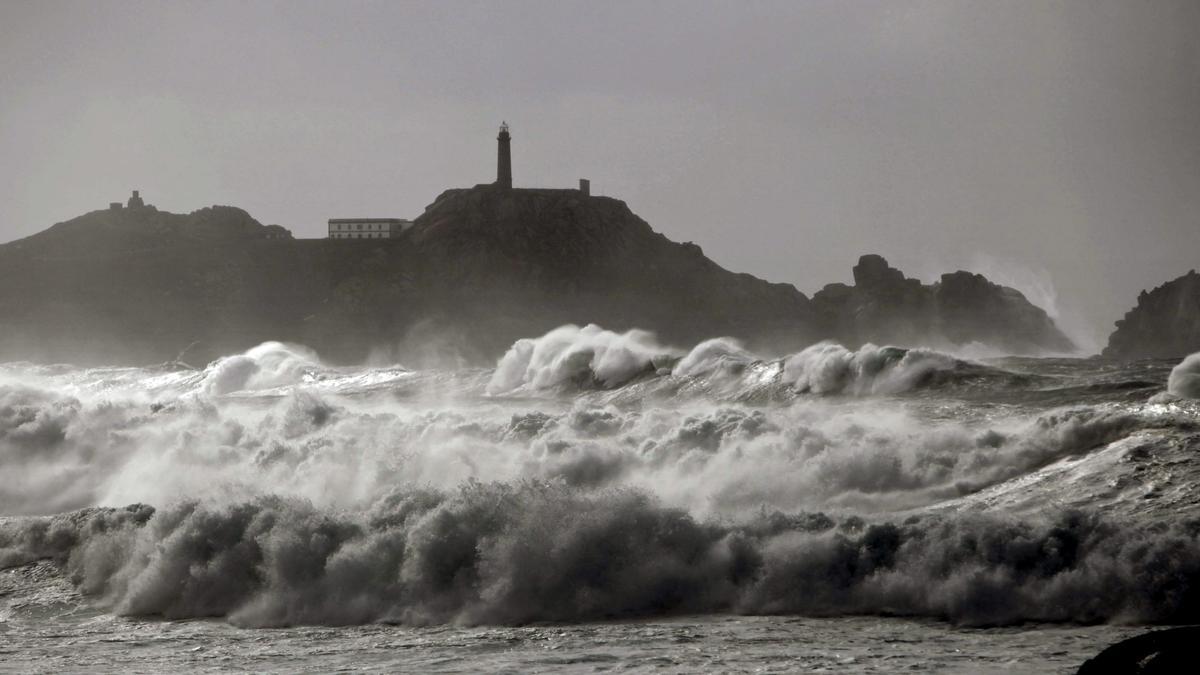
1052 144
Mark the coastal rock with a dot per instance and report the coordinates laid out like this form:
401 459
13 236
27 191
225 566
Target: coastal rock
479 269
1157 652
960 309
873 271
1164 324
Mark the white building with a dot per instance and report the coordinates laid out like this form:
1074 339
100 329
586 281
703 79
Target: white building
367 228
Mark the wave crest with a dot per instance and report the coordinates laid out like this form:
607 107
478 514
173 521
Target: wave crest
591 357
267 366
588 355
829 368
511 554
1184 380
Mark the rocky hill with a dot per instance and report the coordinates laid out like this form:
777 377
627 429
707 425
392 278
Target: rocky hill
503 259
1164 324
480 268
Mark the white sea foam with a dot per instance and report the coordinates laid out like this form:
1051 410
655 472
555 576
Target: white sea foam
504 554
828 368
637 481
571 353
1185 378
269 365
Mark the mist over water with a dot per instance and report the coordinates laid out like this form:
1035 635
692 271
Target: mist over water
593 475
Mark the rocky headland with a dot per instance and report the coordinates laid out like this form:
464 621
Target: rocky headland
480 268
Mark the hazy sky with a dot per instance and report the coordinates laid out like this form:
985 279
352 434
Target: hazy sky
1053 145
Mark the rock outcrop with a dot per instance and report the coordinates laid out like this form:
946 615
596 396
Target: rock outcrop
1164 324
960 309
480 268
1157 652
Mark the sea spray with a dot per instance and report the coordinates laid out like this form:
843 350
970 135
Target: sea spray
581 355
1185 378
512 554
827 368
64 452
271 364
605 476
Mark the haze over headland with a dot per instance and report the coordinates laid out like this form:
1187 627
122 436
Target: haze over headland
1057 140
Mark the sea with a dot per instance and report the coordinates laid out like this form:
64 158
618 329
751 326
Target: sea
596 501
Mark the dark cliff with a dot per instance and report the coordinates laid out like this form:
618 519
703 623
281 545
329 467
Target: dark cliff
503 261
140 285
479 269
1164 324
961 308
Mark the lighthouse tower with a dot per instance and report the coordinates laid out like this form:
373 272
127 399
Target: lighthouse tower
503 159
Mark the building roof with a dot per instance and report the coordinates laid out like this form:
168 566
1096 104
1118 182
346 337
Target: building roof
368 220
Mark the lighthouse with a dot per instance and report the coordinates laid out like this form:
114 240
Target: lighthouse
503 158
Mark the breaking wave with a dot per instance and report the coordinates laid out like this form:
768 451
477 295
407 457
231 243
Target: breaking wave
594 358
579 355
269 365
1184 380
511 554
831 368
594 474
63 452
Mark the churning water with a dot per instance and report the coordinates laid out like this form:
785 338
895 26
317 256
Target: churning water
596 501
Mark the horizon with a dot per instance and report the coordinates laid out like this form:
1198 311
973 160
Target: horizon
1049 147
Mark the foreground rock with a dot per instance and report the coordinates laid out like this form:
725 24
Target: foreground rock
480 268
1160 652
1164 324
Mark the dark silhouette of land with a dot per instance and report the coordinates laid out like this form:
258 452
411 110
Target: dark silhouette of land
1165 323
1159 652
480 268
